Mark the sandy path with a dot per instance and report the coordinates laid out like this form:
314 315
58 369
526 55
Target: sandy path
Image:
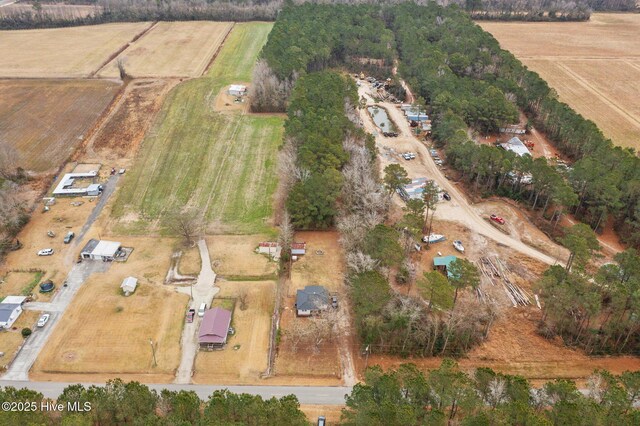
459 209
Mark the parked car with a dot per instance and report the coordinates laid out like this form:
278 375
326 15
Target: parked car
497 219
202 309
446 196
69 237
191 313
45 252
232 331
334 302
43 320
322 421
457 244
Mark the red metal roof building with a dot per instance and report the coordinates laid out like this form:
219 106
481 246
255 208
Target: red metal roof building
214 328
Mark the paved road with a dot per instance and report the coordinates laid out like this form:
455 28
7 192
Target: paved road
204 290
19 368
320 395
460 210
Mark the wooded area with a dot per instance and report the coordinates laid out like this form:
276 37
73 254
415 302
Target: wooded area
407 396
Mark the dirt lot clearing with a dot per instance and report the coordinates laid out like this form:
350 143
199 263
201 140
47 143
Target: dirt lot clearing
234 256
45 120
331 412
117 141
244 364
104 334
195 157
592 65
63 52
171 49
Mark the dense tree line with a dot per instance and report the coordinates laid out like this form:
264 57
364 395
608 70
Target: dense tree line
142 10
120 403
441 48
316 127
600 314
407 396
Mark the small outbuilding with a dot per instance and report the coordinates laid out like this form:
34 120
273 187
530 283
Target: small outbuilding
298 249
516 146
271 248
312 300
10 310
441 264
100 250
237 90
129 285
214 329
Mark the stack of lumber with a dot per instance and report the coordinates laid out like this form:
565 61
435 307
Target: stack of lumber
497 271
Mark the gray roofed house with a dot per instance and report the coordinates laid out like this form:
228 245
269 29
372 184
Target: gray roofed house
9 313
312 300
214 329
100 250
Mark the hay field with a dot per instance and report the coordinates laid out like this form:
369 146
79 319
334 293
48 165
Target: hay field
171 49
594 66
244 364
63 52
104 334
45 120
222 165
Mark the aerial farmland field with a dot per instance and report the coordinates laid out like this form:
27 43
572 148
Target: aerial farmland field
63 52
221 164
45 120
171 49
594 66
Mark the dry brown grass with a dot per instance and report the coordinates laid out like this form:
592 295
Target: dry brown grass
332 413
312 269
104 333
46 120
171 49
63 52
10 340
234 255
245 364
592 65
190 261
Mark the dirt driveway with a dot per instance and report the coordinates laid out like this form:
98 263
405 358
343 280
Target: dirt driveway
459 209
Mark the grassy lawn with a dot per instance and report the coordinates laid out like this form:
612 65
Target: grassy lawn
435 287
222 164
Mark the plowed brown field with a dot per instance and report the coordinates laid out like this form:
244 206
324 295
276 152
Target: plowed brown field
594 66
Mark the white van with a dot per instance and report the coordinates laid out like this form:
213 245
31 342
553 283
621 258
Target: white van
203 307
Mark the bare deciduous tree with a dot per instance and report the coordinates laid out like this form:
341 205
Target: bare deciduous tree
9 160
358 262
268 93
188 225
243 297
121 62
285 238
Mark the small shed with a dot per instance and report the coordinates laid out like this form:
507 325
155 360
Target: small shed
298 249
94 189
271 248
214 329
129 285
10 310
441 264
237 90
312 300
100 250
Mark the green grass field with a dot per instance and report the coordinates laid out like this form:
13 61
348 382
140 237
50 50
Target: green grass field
222 164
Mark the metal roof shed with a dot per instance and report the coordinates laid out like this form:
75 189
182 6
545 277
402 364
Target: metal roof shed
129 285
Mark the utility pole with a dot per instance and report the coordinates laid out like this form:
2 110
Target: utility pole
153 351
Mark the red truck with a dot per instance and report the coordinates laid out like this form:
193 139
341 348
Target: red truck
191 313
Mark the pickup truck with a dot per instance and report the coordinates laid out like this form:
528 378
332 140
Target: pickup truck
191 313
